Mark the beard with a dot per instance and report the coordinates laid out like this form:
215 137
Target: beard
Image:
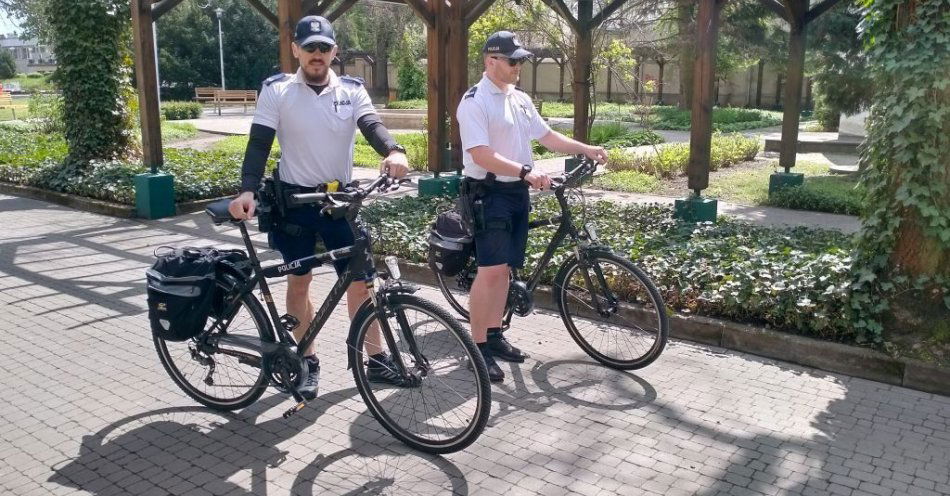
316 73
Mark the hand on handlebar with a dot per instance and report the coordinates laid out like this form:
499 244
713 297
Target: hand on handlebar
538 180
596 153
243 206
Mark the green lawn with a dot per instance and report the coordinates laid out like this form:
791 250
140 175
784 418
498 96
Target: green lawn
7 113
31 84
822 191
174 131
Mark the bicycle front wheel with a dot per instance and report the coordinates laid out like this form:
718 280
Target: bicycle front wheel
227 380
447 408
612 310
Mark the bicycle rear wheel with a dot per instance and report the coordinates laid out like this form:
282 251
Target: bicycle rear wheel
449 407
229 379
612 310
456 288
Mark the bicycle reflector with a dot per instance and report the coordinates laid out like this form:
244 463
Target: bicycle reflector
392 263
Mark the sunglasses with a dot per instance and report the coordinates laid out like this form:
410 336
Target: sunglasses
320 45
512 62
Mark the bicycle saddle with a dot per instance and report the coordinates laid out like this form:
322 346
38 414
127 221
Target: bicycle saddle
218 211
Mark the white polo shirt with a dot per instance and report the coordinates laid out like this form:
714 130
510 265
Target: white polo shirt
504 120
316 132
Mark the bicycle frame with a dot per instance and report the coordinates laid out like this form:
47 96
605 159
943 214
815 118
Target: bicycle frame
361 262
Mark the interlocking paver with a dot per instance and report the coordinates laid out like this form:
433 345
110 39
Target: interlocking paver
88 408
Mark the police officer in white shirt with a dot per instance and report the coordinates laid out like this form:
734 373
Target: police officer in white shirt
497 122
314 115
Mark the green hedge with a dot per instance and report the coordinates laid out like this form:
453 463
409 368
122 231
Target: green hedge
793 279
419 104
669 160
832 194
175 111
34 159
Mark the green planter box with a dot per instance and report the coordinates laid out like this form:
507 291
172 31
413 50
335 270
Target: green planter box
446 184
154 195
695 209
781 180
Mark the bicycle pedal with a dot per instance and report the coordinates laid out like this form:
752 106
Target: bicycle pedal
293 410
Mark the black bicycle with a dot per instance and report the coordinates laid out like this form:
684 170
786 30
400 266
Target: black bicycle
230 364
609 305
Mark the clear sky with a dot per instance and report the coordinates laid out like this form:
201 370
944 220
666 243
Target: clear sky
8 25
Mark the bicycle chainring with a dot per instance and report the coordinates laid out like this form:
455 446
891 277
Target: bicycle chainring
282 367
520 299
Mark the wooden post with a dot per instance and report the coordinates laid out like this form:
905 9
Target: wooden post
700 141
456 59
758 85
610 81
145 75
534 78
793 88
437 86
661 62
288 13
560 84
583 59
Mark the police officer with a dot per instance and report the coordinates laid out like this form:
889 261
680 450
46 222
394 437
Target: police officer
497 123
314 115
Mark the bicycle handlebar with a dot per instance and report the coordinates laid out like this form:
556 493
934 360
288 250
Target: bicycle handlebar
350 194
585 168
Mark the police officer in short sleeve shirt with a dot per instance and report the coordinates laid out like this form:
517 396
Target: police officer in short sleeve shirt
314 115
497 122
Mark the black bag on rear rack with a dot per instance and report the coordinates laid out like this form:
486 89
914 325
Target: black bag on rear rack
450 243
181 291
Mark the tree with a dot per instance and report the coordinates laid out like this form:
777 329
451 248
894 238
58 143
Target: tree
838 65
377 28
94 64
901 267
188 47
7 64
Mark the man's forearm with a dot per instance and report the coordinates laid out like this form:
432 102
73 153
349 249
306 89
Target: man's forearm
376 133
559 143
491 161
259 143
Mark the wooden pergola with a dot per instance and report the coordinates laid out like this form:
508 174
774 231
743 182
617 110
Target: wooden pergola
448 23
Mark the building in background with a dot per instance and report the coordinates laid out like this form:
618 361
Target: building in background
29 55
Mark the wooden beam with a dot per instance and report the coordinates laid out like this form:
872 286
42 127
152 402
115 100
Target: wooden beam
456 67
819 9
607 11
160 8
340 9
317 7
475 9
288 13
436 86
424 10
583 65
264 11
308 7
534 78
560 8
144 49
776 7
793 96
700 133
660 62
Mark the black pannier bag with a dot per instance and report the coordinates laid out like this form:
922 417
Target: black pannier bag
181 290
450 243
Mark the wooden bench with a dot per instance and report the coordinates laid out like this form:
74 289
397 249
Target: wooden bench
234 97
205 94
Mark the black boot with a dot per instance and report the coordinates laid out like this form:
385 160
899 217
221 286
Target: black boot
502 349
495 374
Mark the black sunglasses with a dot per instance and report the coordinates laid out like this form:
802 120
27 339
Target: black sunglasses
512 62
320 45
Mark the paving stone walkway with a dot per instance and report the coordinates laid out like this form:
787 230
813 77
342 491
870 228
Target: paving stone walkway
88 409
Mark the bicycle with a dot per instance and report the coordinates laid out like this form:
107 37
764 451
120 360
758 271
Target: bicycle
611 307
231 363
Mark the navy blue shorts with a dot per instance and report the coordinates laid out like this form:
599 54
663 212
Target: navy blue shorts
501 235
335 233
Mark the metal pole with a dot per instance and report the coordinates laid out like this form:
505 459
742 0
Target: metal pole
158 80
220 11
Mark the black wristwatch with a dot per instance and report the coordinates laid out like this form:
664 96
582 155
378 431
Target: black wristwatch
525 170
397 148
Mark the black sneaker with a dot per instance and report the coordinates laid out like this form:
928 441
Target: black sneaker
503 350
308 389
495 373
381 369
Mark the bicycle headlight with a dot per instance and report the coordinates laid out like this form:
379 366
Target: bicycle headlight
392 263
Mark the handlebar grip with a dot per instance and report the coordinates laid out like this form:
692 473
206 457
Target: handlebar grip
304 198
